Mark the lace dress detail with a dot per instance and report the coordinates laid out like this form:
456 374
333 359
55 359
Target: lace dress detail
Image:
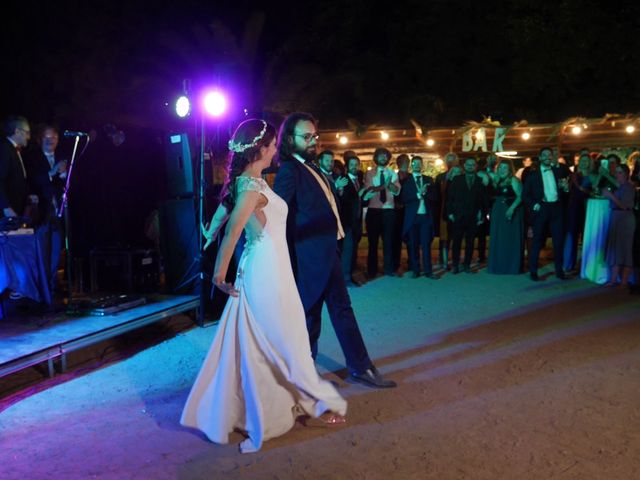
253 231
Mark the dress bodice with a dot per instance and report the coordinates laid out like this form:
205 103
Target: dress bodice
275 211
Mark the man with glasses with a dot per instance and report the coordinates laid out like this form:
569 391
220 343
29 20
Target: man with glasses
313 231
13 175
47 175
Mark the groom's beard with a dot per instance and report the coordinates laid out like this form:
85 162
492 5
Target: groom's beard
309 154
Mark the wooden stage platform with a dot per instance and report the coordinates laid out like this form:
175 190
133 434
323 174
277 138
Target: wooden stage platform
28 341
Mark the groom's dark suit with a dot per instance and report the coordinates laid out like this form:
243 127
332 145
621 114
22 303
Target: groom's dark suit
313 246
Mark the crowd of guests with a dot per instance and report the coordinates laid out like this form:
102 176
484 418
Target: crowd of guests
474 200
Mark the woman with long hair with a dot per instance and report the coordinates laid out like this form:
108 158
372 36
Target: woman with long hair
506 247
619 253
258 376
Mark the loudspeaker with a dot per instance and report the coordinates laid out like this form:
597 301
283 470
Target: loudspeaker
179 169
179 245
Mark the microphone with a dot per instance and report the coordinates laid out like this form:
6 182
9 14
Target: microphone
69 133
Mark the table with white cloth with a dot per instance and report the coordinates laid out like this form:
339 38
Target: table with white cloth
594 241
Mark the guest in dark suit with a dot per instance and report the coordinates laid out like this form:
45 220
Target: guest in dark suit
13 174
442 223
544 194
419 195
47 175
399 238
467 205
351 218
313 230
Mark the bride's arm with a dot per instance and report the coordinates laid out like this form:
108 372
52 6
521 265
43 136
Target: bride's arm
213 229
245 206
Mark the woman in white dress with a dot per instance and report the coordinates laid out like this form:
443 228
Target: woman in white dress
258 376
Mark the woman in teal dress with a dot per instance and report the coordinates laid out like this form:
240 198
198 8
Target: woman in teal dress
506 245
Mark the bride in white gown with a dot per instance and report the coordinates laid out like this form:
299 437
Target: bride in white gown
259 374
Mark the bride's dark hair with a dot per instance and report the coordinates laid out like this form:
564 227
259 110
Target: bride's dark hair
246 134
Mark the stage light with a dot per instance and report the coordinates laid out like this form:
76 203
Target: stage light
183 106
526 136
384 135
630 129
343 140
576 130
430 142
215 103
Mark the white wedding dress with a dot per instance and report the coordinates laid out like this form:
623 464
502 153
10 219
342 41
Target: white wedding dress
259 374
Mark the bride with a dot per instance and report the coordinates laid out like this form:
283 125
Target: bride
259 374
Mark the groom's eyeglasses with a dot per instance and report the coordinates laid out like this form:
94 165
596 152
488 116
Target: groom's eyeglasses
307 136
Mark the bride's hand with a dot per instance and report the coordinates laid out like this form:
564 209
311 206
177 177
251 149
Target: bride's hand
228 288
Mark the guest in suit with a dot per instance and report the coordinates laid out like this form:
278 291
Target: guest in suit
402 162
418 194
467 205
543 194
313 230
47 175
351 218
442 223
579 190
13 174
326 164
487 174
382 186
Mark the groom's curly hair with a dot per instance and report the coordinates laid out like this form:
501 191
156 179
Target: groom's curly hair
238 161
287 129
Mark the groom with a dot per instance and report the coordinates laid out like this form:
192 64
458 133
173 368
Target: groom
313 230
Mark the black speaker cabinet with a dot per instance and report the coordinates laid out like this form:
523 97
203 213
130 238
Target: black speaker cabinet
179 245
178 165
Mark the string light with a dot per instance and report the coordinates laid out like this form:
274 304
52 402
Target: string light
384 135
343 140
430 142
526 136
577 130
630 129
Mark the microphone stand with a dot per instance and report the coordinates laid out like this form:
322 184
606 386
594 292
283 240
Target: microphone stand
64 210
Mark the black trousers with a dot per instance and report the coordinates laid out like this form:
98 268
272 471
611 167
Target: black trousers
420 236
550 215
380 222
467 230
343 320
349 245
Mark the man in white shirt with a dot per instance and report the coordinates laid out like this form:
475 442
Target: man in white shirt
382 186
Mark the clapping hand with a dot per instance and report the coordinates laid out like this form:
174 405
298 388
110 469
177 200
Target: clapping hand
341 182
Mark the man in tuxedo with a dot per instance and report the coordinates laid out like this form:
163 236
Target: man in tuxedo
47 176
418 195
13 174
351 218
467 205
326 164
313 231
543 194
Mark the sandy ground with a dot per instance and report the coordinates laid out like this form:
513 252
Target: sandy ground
499 378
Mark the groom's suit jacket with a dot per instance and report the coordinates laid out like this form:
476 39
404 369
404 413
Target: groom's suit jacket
311 228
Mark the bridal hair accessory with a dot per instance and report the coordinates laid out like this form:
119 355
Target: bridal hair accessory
241 147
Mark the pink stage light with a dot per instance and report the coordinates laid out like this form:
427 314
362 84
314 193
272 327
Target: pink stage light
215 103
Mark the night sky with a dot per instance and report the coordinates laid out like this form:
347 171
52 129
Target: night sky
439 62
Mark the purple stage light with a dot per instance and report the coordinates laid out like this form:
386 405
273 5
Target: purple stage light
215 103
